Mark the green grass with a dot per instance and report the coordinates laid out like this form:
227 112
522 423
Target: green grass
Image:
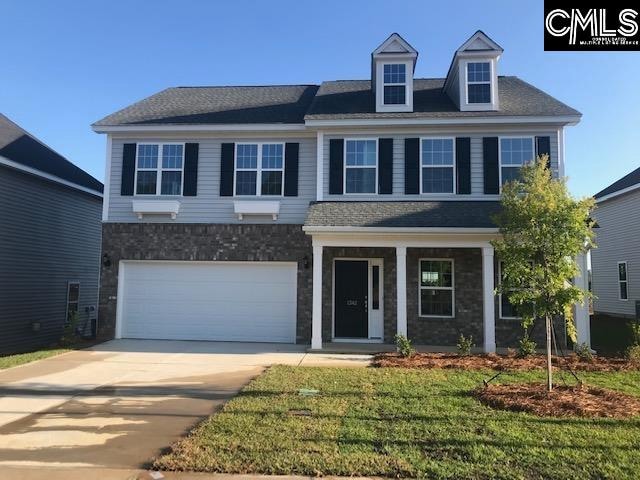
22 358
404 423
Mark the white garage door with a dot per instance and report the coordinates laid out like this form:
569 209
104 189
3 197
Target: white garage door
227 301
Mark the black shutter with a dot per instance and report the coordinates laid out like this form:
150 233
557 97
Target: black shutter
411 166
385 165
336 165
226 169
191 169
491 167
291 151
128 169
543 147
463 164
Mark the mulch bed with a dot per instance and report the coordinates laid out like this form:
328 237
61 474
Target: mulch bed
501 362
562 401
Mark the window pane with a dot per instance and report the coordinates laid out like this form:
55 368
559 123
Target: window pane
146 184
361 180
438 151
172 156
479 93
622 271
272 156
74 292
375 287
478 72
395 95
510 173
271 182
516 151
147 156
247 156
437 180
246 183
171 183
436 302
395 73
623 290
361 153
436 273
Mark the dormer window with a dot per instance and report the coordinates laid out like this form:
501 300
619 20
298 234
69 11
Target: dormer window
395 84
479 82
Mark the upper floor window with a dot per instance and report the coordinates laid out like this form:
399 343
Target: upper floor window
437 165
514 153
159 168
623 293
361 166
395 84
259 169
479 82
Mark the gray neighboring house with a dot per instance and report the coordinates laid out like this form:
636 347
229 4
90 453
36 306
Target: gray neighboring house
615 264
349 211
49 242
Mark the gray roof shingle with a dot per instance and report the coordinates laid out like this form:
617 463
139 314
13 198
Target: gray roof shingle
444 214
20 146
629 180
344 99
218 105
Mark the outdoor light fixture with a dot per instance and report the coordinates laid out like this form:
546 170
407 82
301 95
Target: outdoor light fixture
305 262
106 260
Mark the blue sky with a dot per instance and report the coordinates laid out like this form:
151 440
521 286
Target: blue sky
67 64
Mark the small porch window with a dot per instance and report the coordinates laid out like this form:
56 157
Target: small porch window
436 288
507 309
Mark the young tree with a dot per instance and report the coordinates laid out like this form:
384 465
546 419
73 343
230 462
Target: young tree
543 228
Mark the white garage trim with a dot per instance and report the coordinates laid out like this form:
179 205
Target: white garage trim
270 291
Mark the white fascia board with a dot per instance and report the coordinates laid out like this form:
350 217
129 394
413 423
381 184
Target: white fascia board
47 176
364 122
618 193
398 230
403 239
253 127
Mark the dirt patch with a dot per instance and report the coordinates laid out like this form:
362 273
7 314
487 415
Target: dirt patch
562 401
501 362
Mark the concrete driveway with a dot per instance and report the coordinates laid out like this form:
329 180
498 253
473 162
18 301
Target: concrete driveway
119 404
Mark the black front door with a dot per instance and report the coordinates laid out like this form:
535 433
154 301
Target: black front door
351 303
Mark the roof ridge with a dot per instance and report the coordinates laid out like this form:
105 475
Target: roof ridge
247 86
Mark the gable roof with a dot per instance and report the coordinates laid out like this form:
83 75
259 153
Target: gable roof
19 146
351 99
627 182
394 45
479 41
284 104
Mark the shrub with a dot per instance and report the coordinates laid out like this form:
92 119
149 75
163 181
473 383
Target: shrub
526 346
404 346
465 344
633 354
583 351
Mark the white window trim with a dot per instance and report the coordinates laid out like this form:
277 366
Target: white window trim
626 279
345 167
500 315
533 146
69 283
455 189
487 82
452 288
395 84
158 170
258 169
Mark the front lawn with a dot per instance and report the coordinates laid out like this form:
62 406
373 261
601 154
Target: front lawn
21 358
404 423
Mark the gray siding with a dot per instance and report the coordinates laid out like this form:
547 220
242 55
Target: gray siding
49 235
618 240
477 178
208 206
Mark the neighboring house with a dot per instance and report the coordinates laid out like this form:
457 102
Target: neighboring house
615 263
347 211
49 242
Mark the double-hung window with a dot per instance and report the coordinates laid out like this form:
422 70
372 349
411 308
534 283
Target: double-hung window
507 309
437 165
623 284
395 84
361 166
514 153
259 169
159 168
479 82
436 288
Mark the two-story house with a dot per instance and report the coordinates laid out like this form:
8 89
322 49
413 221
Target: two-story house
347 211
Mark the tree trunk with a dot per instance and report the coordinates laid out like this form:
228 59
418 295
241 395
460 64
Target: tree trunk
549 378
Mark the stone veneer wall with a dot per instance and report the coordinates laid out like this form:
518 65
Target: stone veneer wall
204 242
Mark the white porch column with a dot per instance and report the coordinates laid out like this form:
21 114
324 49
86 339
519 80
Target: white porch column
316 317
401 290
488 300
583 326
